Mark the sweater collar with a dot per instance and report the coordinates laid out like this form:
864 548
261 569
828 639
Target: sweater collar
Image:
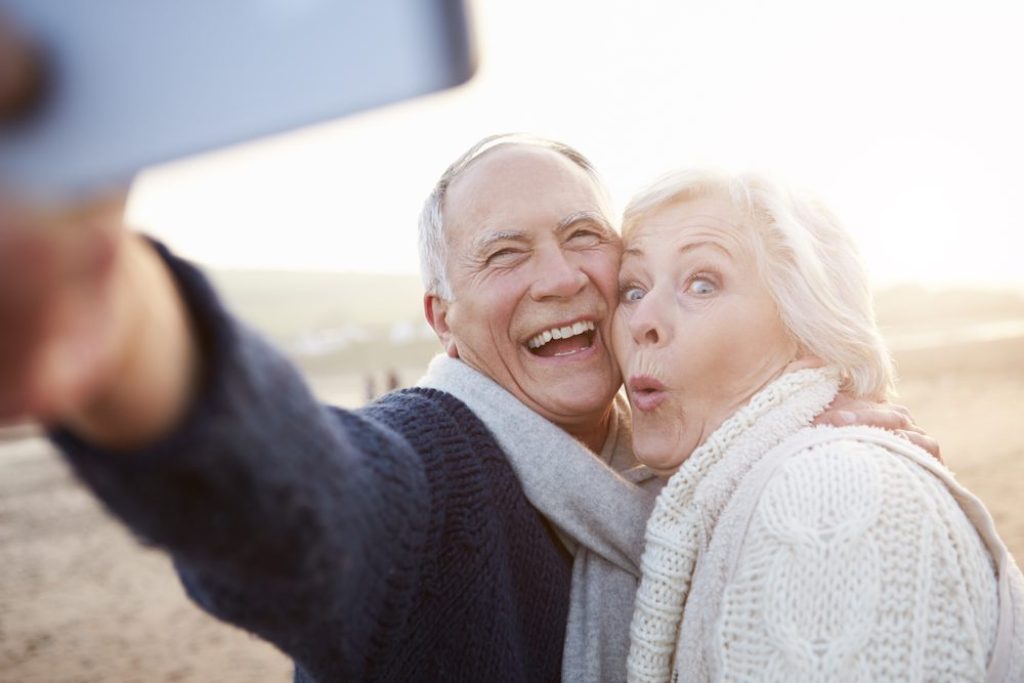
784 406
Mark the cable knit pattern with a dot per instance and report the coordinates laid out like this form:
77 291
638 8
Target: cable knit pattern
1015 645
393 543
808 615
829 555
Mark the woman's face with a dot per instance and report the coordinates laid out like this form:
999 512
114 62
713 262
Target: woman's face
696 333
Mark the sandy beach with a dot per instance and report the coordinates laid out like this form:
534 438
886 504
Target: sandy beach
81 601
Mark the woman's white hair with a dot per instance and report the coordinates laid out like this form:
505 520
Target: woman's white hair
432 243
807 260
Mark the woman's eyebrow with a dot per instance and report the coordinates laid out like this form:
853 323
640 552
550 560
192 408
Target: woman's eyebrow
685 249
692 246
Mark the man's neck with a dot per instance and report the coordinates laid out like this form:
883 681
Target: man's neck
594 432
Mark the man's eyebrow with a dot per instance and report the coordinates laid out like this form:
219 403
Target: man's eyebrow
584 217
486 240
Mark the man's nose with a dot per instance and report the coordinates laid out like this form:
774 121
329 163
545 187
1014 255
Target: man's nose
557 276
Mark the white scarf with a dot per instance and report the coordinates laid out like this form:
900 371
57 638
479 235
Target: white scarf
600 513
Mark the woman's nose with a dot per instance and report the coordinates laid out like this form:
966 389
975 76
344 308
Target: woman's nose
647 324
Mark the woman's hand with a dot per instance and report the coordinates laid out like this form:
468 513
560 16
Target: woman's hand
845 411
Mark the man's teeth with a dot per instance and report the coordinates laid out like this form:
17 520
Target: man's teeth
560 333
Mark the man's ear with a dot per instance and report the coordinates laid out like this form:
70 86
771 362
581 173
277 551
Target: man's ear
436 311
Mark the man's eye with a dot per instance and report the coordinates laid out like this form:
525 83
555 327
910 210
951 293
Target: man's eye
585 236
701 286
501 255
630 294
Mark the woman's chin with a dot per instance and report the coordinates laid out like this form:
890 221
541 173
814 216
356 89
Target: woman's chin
664 463
663 454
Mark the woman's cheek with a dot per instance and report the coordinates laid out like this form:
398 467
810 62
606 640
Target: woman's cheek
621 342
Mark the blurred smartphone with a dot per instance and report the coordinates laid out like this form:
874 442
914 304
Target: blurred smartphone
131 83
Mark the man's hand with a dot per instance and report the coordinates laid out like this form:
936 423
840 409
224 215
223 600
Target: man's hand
58 310
845 411
92 332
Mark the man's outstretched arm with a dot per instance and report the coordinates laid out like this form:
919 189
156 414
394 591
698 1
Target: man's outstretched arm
301 523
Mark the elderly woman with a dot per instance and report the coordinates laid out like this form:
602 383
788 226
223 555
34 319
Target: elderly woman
778 551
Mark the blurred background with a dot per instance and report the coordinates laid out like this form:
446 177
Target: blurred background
905 117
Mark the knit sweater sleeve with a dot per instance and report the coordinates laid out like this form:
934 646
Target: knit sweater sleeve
305 524
857 565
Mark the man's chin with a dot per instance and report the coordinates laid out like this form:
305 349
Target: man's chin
570 385
574 399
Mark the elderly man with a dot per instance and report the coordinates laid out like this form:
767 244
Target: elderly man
403 541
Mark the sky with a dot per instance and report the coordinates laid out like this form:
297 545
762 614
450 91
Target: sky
905 117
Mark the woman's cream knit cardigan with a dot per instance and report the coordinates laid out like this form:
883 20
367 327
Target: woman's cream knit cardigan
821 554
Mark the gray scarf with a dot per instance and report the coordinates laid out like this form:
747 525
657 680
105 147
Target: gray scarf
599 512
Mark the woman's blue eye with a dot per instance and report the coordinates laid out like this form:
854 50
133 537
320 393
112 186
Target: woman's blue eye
701 285
628 294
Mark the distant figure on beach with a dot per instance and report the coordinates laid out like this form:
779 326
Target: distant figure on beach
369 387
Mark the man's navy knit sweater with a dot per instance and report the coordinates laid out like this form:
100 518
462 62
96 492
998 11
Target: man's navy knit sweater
389 543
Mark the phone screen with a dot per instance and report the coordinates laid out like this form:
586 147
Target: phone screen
130 84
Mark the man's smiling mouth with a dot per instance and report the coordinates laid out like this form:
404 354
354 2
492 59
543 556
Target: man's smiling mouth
564 340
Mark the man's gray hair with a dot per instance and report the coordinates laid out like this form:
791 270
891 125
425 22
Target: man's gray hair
432 241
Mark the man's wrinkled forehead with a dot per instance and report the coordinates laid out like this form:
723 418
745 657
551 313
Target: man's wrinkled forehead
505 189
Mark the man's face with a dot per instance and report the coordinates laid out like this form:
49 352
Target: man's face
533 265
